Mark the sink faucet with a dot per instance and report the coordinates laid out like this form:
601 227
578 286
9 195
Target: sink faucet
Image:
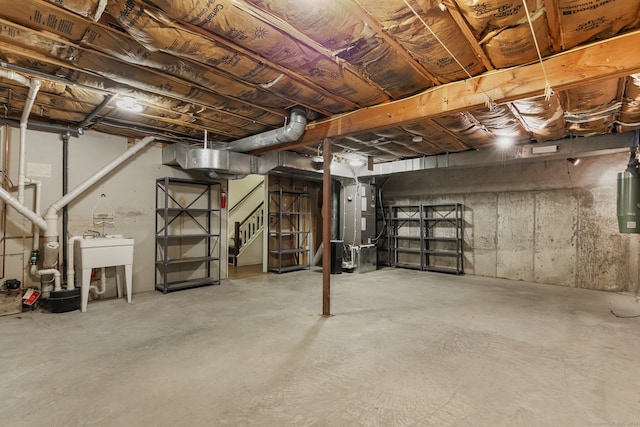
90 233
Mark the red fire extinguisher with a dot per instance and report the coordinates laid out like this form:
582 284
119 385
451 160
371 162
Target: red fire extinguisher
223 200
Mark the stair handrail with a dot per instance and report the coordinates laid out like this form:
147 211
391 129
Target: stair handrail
251 214
246 196
237 231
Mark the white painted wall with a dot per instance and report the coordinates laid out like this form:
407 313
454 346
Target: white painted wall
238 188
130 190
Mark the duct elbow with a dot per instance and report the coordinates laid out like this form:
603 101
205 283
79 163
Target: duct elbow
296 126
292 131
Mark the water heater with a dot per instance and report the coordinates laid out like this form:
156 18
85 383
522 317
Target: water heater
629 197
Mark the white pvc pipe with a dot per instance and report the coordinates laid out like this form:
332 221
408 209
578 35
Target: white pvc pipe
11 75
56 277
103 283
51 216
50 260
28 213
34 87
36 208
71 274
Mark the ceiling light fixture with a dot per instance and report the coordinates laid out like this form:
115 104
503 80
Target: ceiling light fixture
416 138
129 104
574 162
356 163
505 142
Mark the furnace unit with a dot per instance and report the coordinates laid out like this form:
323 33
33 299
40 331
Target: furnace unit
358 215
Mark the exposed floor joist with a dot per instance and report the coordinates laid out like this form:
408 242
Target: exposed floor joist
592 63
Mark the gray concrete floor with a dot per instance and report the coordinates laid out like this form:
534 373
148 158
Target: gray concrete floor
405 348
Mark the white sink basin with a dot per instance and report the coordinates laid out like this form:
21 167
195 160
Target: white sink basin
103 252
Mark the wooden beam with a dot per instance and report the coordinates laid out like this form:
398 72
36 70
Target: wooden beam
580 66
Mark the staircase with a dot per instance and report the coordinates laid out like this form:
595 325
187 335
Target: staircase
245 232
246 221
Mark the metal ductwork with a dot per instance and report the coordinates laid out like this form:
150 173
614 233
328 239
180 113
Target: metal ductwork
230 161
214 162
227 164
292 131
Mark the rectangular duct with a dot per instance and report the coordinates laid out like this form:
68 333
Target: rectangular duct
230 164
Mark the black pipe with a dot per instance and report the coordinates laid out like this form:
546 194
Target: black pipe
65 190
87 120
43 127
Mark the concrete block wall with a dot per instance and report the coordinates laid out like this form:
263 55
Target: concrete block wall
545 222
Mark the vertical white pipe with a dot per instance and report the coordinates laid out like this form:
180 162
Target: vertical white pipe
34 87
71 274
36 209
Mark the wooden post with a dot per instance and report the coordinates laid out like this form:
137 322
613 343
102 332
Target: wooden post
326 229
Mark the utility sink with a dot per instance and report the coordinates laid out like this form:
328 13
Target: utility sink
103 252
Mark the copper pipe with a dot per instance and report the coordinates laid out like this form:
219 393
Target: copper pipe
326 229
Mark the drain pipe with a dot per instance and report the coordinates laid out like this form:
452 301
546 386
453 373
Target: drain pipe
71 273
35 227
288 133
34 87
65 209
103 283
22 209
51 217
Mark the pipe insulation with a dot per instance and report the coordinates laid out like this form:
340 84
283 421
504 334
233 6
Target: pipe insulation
51 216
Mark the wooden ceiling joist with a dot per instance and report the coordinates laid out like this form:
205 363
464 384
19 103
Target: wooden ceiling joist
583 65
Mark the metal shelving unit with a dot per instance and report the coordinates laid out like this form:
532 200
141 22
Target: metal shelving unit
443 238
426 237
188 232
405 236
289 231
